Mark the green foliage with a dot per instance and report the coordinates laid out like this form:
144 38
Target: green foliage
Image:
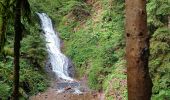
158 12
95 46
5 90
32 63
159 62
76 8
33 47
57 9
36 80
115 84
7 13
163 95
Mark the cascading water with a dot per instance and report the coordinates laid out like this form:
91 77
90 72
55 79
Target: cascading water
59 61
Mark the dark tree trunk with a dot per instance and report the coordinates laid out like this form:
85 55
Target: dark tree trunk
2 32
18 34
137 51
169 21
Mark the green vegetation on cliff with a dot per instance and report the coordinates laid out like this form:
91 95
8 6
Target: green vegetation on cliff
93 35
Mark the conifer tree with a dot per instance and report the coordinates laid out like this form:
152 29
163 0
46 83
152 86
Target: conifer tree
137 51
22 8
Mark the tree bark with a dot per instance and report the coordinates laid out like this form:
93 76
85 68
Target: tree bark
169 21
18 34
137 51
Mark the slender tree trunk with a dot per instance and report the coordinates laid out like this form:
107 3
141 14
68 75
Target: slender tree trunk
137 51
18 34
3 24
169 21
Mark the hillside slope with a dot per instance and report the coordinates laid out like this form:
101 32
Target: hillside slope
93 35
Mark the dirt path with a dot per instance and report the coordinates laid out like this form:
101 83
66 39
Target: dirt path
51 94
68 92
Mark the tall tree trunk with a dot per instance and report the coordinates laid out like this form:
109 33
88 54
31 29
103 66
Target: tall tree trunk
3 24
169 21
18 34
137 51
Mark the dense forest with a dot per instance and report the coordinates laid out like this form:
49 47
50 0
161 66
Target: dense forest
93 37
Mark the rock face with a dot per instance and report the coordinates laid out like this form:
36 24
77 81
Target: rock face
71 69
49 71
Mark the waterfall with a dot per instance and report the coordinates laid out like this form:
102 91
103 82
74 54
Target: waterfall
59 62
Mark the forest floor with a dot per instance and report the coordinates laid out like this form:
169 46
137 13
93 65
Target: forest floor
52 93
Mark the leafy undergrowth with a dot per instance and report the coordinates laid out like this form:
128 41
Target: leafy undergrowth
158 12
96 44
32 62
115 84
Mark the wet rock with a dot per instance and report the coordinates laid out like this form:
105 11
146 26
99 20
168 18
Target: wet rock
71 69
67 88
62 85
26 86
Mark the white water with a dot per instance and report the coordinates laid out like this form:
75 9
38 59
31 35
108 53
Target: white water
59 61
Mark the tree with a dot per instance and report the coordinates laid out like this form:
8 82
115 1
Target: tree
18 35
169 22
137 51
22 8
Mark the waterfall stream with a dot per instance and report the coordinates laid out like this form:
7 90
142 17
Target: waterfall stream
59 62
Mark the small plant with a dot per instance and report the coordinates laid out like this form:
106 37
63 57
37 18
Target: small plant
5 90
